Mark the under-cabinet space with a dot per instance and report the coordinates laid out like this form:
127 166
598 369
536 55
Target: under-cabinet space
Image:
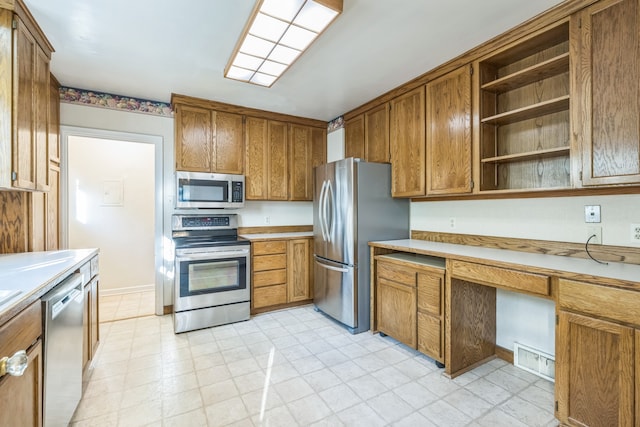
524 124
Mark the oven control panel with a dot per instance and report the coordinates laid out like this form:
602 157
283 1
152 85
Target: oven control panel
204 222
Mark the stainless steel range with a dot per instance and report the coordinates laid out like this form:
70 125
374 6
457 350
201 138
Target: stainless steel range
212 284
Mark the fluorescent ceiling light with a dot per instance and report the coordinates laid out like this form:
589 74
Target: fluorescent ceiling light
277 32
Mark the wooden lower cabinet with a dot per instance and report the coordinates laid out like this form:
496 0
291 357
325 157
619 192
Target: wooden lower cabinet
281 273
21 404
91 321
597 355
397 312
410 301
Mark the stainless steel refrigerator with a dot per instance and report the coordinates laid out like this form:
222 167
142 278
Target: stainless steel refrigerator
352 205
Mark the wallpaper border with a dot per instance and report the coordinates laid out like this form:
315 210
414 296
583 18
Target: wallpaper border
110 101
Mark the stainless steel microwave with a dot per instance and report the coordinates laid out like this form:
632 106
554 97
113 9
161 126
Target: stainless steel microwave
209 190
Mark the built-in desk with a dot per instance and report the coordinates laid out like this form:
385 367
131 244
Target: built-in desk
597 322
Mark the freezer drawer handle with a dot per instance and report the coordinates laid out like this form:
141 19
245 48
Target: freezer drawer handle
328 267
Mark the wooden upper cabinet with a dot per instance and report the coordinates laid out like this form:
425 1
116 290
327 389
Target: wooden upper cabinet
367 135
208 140
194 138
449 133
354 137
376 134
278 169
228 153
24 94
267 171
24 151
256 159
407 142
307 149
606 112
54 120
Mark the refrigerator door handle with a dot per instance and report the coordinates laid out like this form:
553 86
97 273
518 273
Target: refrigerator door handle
321 210
329 267
331 209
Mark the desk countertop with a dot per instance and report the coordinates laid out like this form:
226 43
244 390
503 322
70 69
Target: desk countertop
562 266
30 275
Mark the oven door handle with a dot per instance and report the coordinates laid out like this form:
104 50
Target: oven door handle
212 255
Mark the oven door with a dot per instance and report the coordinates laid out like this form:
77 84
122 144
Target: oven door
208 277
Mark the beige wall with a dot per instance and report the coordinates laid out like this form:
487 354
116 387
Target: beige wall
111 192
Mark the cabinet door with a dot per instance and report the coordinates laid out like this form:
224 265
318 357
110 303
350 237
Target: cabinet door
257 159
354 137
52 208
396 310
24 137
449 133
606 109
54 120
307 149
194 138
228 149
41 119
594 372
278 171
94 315
376 134
407 124
300 152
298 270
86 326
22 396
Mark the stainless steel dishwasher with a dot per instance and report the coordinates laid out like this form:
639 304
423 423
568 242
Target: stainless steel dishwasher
62 312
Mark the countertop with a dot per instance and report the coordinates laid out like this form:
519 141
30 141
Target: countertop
32 274
277 236
562 266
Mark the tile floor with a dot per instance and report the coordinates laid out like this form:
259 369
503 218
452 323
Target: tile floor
293 368
126 306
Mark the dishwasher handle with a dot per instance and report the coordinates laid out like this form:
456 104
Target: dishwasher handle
64 294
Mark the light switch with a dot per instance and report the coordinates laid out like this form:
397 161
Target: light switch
592 213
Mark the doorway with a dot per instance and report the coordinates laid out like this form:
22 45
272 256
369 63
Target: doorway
111 198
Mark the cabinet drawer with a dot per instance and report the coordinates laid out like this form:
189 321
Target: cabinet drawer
21 331
622 305
269 262
397 273
518 281
270 277
430 336
430 293
269 295
270 247
94 266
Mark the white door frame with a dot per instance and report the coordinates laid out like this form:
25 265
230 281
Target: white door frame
157 141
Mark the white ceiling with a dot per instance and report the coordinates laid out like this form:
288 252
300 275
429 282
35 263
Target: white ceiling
152 48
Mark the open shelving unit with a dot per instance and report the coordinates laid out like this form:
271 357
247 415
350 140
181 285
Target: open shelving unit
524 114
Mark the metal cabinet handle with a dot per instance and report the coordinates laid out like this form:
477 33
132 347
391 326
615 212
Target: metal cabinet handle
14 365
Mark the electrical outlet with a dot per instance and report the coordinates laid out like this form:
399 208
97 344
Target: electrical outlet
267 220
597 231
635 233
452 223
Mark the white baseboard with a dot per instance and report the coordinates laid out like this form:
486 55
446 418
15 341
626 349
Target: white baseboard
127 290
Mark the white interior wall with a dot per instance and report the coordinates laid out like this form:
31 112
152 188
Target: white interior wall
335 145
111 192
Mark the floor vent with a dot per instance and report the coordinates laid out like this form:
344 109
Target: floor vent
534 361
